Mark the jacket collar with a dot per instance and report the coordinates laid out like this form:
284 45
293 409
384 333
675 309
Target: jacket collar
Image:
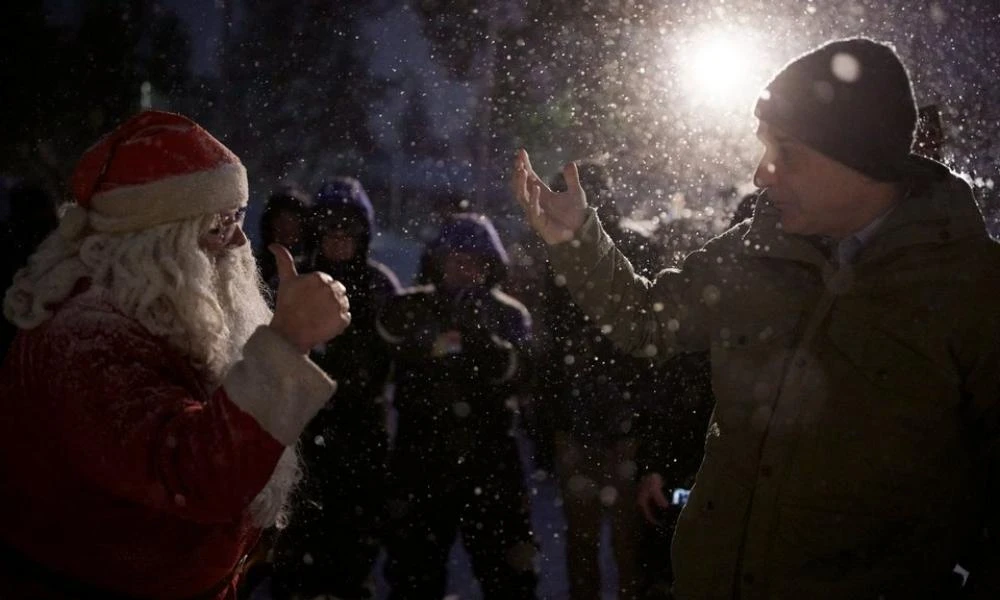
765 238
939 208
938 211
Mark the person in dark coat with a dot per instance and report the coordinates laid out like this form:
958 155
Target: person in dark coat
853 326
284 221
332 541
671 441
457 341
671 433
587 395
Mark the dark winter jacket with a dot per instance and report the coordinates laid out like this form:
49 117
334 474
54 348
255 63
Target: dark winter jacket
584 384
672 421
358 360
853 449
352 425
462 382
337 513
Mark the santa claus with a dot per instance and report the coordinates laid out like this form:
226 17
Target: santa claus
152 401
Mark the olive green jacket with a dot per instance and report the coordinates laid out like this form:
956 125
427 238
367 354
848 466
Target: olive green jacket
854 441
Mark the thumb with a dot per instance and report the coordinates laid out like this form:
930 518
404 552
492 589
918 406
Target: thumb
572 176
283 259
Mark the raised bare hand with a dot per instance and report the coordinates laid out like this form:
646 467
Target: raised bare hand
312 309
556 216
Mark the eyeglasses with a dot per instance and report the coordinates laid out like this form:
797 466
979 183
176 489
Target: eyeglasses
221 235
226 227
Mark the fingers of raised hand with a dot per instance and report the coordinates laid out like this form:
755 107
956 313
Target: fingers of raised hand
526 161
535 200
326 290
523 160
519 184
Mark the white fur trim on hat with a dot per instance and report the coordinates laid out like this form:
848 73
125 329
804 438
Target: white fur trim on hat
73 222
136 207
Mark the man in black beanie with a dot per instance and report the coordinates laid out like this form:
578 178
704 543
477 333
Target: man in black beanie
854 335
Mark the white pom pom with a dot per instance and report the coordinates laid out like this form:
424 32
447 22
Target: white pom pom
73 222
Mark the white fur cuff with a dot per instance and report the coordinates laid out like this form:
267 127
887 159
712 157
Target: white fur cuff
277 385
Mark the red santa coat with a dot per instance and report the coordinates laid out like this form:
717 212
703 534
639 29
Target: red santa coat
121 472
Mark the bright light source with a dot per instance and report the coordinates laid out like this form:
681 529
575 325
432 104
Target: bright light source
721 68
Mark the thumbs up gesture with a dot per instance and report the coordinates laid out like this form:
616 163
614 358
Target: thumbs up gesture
312 309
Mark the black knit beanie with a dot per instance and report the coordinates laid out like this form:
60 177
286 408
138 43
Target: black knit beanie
851 100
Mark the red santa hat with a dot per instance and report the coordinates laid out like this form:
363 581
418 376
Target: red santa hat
154 168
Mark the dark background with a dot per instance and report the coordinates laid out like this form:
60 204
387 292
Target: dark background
425 101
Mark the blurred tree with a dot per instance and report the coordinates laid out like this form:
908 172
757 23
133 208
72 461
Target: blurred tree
551 76
416 132
106 71
297 77
167 65
65 85
32 91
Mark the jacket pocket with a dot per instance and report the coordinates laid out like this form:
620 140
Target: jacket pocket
893 409
709 532
897 371
749 353
850 554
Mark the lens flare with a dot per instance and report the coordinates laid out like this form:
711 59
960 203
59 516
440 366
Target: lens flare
722 68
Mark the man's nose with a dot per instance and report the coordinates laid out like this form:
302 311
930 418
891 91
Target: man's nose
766 174
239 237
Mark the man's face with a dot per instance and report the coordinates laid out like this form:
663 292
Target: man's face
287 228
226 233
462 270
338 245
816 195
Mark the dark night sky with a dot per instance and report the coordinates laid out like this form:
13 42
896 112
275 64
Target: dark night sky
204 21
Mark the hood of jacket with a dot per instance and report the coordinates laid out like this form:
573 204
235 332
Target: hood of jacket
470 233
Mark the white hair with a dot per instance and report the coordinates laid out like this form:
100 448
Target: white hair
205 306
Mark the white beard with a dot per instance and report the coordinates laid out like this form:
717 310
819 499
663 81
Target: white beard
236 286
270 506
223 305
239 290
